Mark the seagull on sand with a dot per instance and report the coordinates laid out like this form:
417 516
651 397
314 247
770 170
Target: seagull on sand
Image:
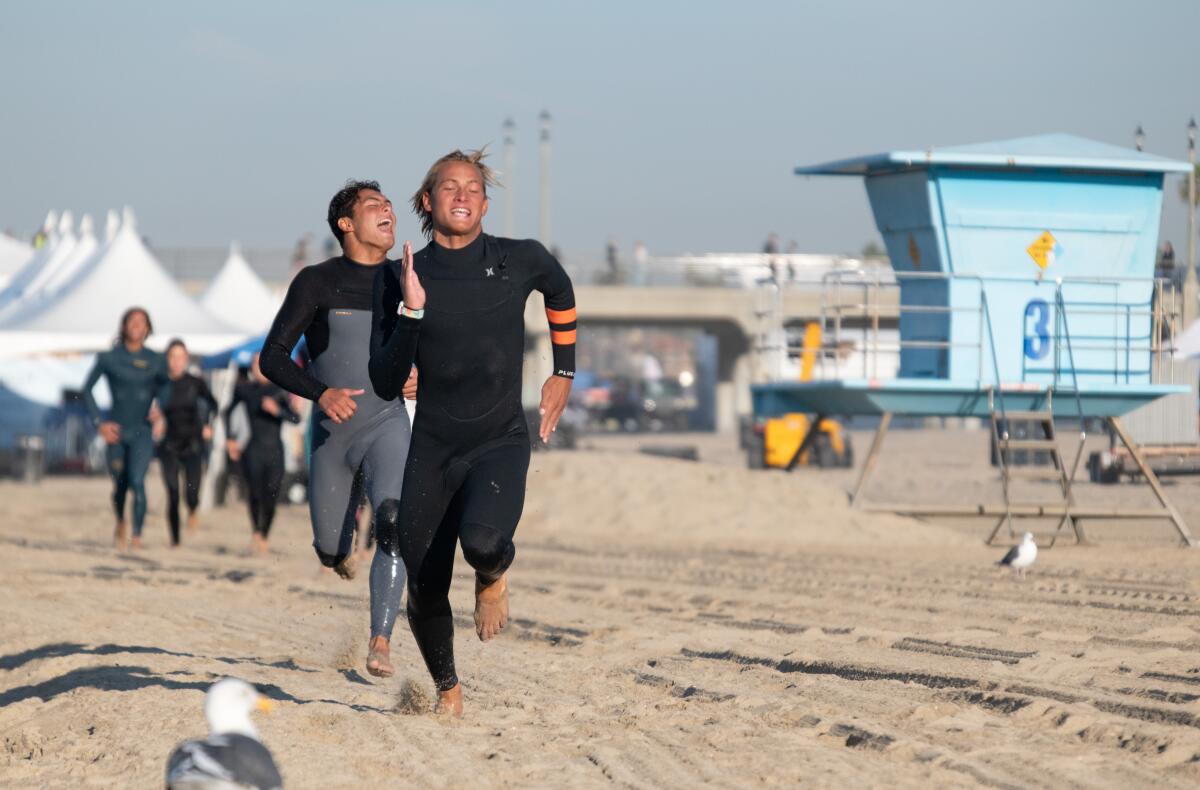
231 756
1021 556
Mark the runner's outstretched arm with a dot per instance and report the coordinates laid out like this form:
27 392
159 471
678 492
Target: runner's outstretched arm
294 316
555 286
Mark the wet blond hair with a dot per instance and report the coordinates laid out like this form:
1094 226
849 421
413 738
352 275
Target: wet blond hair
470 157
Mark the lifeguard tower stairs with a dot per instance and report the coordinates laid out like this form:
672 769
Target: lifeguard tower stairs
1025 272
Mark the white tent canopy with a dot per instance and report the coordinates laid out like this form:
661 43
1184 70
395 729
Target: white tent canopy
53 247
86 250
70 254
84 315
43 378
14 254
239 297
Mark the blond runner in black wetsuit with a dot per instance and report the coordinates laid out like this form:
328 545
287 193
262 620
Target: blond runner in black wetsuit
457 309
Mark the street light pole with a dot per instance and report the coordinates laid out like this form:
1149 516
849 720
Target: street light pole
510 179
1189 282
544 214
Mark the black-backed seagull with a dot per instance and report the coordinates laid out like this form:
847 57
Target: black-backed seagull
231 756
1021 556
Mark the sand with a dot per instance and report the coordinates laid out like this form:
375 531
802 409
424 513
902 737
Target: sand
676 624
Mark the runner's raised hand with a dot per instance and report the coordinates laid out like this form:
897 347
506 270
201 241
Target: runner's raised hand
414 293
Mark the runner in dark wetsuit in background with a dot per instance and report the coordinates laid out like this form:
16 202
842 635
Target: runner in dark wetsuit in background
262 459
466 472
353 430
136 377
182 448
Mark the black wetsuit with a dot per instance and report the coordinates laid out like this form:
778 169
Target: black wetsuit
465 477
135 379
262 458
330 304
182 448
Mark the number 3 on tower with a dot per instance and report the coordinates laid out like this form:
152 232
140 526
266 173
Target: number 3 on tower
1037 344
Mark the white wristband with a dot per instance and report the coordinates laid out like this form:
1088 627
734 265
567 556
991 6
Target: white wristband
410 313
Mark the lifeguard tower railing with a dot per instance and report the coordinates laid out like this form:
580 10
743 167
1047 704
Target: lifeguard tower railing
1121 330
1079 347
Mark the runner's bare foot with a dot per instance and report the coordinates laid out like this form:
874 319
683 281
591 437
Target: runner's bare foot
491 607
121 536
193 523
379 661
450 702
348 567
136 544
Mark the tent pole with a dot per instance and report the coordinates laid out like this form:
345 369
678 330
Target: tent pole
216 454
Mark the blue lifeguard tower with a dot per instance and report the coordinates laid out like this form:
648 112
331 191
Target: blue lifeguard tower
1023 285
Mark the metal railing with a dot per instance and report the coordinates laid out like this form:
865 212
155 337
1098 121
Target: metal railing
729 270
854 314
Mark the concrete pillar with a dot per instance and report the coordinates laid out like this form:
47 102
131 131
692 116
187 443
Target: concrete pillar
726 407
733 376
743 403
733 395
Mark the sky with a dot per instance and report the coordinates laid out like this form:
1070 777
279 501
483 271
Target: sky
674 123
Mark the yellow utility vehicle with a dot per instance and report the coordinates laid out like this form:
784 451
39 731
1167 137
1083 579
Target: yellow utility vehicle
783 442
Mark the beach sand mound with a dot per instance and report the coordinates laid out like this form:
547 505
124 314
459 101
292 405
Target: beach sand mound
674 624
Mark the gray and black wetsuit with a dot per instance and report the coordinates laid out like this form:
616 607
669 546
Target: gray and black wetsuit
465 478
330 304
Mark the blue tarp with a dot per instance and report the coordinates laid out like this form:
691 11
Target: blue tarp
243 354
19 415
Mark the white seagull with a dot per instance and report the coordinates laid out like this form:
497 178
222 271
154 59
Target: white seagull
231 756
1021 556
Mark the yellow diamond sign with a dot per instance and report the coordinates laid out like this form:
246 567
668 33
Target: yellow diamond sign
1042 250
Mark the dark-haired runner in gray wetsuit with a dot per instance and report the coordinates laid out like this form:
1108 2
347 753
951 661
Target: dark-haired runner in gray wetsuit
353 429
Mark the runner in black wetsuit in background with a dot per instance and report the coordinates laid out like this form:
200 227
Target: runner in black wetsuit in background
353 430
182 448
136 377
465 477
262 460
